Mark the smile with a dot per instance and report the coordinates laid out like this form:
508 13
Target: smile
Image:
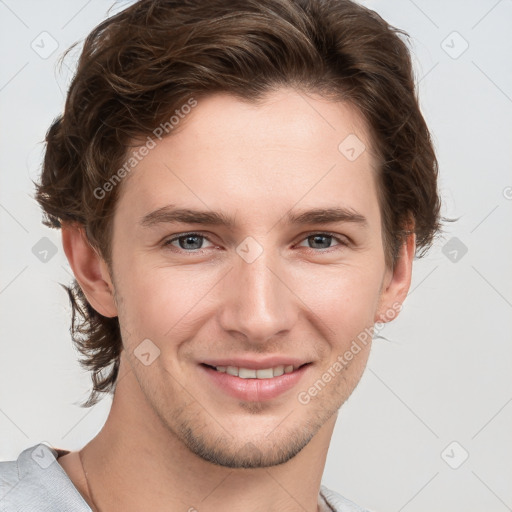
248 373
252 384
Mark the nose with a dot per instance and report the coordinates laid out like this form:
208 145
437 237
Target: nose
257 301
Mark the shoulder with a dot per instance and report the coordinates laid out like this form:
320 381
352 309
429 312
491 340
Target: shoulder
36 481
338 503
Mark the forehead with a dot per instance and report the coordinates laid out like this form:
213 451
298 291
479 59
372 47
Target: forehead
228 153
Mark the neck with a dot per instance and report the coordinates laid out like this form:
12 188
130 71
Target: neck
136 463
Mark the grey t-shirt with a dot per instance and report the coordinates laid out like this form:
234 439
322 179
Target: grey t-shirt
35 482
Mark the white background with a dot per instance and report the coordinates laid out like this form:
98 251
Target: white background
445 374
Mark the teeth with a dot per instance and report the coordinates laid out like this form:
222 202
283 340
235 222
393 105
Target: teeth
278 370
268 373
232 370
244 373
247 373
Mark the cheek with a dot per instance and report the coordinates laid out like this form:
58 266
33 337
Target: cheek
344 297
162 302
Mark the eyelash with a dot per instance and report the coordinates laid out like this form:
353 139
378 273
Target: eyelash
342 242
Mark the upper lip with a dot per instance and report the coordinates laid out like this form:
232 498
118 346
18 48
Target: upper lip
259 364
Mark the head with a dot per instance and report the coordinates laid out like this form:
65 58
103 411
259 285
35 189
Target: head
257 111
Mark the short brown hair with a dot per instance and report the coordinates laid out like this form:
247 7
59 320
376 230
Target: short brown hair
140 65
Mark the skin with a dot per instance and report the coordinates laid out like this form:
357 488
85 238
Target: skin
173 441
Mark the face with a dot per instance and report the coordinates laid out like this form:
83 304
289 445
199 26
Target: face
255 282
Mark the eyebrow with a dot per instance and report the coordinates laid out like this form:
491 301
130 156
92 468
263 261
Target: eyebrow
169 214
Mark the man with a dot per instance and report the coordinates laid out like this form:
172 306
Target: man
242 187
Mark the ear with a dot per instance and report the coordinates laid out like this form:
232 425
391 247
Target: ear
396 282
89 268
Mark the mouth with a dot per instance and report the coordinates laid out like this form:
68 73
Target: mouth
254 384
253 373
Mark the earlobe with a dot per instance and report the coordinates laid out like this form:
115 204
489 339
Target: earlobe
89 268
397 285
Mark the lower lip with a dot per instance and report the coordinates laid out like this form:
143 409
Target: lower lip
255 390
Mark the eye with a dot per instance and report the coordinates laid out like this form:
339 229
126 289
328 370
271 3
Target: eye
188 242
323 240
193 242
